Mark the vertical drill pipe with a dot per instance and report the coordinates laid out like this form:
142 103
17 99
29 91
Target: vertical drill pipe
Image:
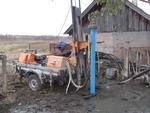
92 63
73 21
80 20
77 36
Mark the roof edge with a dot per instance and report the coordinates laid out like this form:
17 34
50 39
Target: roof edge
127 3
138 10
83 14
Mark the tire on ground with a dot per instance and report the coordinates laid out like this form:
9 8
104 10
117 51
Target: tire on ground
34 82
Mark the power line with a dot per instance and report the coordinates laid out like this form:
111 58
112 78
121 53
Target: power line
64 21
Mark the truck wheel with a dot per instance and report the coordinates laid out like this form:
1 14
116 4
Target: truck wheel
34 82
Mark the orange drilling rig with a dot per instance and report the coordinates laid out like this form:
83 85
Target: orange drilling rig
70 65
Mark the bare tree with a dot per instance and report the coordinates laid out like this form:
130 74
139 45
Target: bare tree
146 1
134 2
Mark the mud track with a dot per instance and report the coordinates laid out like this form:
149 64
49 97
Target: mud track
110 98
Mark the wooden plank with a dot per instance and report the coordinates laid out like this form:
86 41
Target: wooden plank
133 20
144 24
126 16
107 22
106 38
130 24
110 23
98 64
148 26
136 21
118 22
122 19
99 23
113 23
148 57
126 64
98 19
102 23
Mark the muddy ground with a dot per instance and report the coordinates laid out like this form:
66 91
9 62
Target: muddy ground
133 97
110 98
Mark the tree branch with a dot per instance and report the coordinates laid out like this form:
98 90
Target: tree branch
146 1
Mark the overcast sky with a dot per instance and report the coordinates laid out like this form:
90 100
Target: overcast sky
37 17
143 5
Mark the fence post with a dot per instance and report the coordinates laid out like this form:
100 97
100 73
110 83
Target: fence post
4 71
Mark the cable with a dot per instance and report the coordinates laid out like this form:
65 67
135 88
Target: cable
71 79
64 21
70 76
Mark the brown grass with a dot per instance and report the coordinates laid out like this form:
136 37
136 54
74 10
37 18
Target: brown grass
13 48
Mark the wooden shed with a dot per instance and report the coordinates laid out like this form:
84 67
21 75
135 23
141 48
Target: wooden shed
130 18
130 28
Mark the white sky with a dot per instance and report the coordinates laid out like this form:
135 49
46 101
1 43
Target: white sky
37 17
34 17
143 5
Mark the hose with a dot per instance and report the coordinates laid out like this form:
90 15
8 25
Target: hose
71 79
70 74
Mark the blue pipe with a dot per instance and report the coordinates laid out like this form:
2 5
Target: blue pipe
92 62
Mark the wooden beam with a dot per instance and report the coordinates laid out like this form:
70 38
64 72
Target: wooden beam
148 57
4 73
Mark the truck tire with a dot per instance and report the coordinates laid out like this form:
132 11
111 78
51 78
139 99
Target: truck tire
34 82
